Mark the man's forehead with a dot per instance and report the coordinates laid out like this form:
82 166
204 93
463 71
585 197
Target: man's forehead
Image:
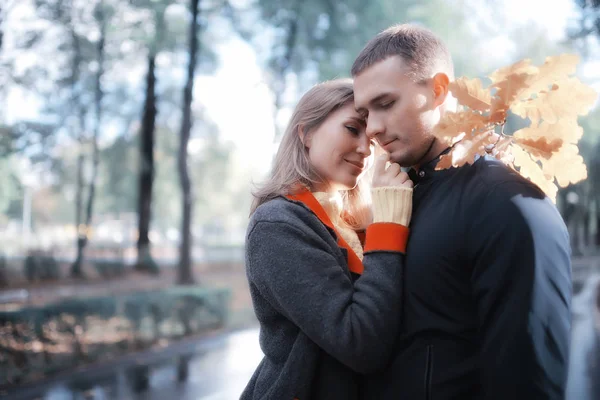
380 78
391 65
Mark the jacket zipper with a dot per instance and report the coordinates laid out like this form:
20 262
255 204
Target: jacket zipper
428 372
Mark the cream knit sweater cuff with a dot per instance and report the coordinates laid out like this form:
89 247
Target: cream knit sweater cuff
392 204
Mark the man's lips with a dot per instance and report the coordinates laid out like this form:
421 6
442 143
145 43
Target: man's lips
387 143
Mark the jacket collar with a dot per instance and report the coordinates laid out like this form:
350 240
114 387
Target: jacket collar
306 197
427 170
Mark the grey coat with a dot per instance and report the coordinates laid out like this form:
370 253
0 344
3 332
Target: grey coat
318 326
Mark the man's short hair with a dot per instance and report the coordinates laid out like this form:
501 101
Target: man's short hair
424 53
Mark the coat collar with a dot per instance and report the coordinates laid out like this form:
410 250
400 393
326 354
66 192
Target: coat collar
306 197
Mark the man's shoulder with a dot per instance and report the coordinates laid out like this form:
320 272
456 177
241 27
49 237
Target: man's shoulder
502 195
489 176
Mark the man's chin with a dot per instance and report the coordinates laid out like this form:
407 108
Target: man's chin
401 159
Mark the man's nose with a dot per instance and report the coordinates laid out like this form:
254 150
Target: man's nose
374 127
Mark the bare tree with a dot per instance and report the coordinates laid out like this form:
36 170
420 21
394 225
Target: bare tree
185 260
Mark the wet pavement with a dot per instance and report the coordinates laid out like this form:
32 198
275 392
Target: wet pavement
584 369
222 369
220 373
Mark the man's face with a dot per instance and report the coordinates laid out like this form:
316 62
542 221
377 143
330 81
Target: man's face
400 113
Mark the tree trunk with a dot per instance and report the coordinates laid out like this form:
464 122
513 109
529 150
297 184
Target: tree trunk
83 239
282 67
586 231
2 17
597 241
82 227
144 261
186 276
77 266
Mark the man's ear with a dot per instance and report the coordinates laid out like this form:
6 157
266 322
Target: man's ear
305 137
440 88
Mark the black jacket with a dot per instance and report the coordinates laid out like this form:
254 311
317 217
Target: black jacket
487 291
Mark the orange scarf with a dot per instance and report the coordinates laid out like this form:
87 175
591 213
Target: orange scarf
306 197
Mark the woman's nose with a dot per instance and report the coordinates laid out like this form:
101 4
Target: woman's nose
364 147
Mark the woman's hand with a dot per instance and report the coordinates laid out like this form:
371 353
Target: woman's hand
391 176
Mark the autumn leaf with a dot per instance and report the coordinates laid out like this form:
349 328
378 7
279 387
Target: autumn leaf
499 112
453 125
531 170
566 129
506 94
541 147
566 165
520 67
555 69
546 151
466 151
471 93
445 162
568 99
502 152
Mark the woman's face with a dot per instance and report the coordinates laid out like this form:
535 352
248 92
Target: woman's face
339 149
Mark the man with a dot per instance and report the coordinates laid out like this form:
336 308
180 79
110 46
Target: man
488 275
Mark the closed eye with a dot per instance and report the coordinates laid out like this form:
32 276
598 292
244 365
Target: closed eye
352 129
386 105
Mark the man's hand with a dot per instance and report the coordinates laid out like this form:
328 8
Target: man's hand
390 176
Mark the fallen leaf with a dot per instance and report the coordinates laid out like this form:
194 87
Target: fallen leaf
471 93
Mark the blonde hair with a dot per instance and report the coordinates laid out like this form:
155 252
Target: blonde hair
292 171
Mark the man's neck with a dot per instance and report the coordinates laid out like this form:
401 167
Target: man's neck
436 148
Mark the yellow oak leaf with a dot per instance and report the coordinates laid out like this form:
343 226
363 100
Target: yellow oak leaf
541 147
466 151
553 70
566 165
531 170
501 146
502 152
520 67
506 94
498 112
445 162
567 130
567 99
471 93
452 125
544 152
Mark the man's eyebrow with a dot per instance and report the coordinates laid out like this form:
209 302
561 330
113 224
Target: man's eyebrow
378 98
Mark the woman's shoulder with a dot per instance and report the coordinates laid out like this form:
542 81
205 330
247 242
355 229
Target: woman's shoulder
280 209
283 211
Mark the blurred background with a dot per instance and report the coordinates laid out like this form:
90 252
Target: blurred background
131 132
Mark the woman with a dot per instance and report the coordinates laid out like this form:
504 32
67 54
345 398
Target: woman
328 308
